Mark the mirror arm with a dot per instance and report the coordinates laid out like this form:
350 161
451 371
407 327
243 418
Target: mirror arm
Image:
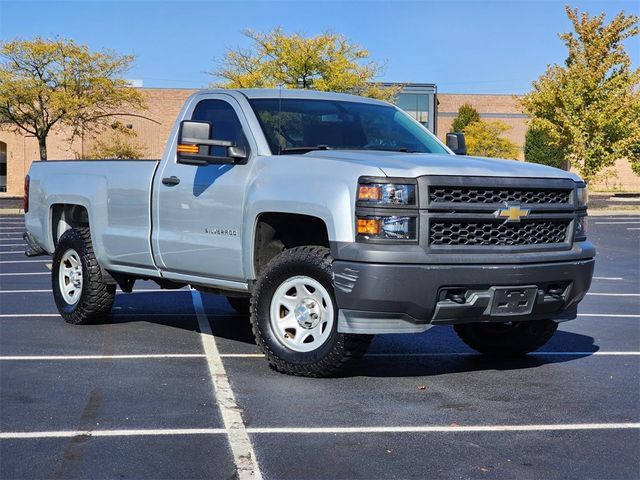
211 143
194 159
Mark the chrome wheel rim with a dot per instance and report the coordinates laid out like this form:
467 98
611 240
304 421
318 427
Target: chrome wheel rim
301 314
70 276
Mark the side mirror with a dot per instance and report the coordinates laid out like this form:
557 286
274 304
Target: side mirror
194 146
456 142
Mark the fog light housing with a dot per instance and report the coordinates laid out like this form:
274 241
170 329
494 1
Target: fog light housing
580 230
386 228
582 196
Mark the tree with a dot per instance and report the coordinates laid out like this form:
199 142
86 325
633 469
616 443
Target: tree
466 115
539 148
57 82
590 107
326 62
120 145
484 139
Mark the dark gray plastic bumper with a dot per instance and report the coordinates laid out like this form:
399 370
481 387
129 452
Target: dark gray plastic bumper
396 298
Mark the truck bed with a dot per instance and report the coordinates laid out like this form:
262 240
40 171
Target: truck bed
116 195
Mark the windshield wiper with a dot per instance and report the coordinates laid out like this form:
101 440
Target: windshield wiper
304 149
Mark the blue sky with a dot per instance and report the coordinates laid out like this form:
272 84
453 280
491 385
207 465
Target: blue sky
462 46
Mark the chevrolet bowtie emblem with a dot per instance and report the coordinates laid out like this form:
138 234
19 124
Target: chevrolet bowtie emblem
512 213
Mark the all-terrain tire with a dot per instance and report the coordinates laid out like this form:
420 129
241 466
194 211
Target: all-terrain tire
511 339
242 305
96 297
337 351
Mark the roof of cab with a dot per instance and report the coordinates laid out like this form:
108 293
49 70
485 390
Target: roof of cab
252 93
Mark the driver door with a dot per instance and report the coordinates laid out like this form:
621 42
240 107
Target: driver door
198 221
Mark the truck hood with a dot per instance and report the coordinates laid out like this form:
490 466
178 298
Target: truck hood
395 164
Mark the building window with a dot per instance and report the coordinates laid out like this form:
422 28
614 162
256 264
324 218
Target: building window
416 105
3 167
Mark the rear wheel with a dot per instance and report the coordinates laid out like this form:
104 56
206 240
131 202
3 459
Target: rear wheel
511 339
294 316
81 294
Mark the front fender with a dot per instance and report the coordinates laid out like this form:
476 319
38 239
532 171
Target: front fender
324 189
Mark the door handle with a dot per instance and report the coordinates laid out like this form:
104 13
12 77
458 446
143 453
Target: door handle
171 181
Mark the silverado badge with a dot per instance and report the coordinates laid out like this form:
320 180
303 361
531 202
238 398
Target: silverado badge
513 213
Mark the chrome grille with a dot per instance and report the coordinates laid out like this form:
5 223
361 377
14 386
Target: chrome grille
492 233
455 194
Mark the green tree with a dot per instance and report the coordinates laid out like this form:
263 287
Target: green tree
325 62
539 148
120 144
58 82
484 139
466 115
591 106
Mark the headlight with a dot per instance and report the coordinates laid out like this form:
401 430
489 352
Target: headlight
386 228
386 194
582 196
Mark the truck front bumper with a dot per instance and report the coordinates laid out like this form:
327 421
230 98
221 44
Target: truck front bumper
400 298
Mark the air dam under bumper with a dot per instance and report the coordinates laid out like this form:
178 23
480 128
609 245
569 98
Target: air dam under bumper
408 298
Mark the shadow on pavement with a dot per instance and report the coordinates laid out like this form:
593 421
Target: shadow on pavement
576 346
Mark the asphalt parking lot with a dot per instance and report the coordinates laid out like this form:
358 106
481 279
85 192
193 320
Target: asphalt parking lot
152 394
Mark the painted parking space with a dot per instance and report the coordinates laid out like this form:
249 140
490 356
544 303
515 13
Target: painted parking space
143 395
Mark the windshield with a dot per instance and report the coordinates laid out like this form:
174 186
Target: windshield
302 125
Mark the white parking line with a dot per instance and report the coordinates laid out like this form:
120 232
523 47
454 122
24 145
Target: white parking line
25 273
608 294
151 314
51 315
25 261
324 430
13 244
470 354
21 252
615 223
608 278
243 454
159 356
633 228
457 354
141 290
112 433
99 357
448 428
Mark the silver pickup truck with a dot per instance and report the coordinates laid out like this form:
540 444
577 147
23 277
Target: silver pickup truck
328 218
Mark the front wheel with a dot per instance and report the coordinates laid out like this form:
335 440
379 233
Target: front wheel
81 294
510 339
294 316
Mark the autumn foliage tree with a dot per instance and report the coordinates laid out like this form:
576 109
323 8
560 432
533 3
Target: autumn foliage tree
466 115
485 138
590 107
325 62
44 83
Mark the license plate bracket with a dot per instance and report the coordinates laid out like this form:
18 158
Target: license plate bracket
513 300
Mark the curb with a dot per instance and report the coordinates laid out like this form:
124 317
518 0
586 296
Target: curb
11 211
609 213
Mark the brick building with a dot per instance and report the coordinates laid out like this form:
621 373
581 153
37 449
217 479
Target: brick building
153 126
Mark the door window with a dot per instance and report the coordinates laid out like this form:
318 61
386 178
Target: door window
225 124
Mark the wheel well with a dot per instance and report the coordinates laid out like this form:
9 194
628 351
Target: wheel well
65 217
276 232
